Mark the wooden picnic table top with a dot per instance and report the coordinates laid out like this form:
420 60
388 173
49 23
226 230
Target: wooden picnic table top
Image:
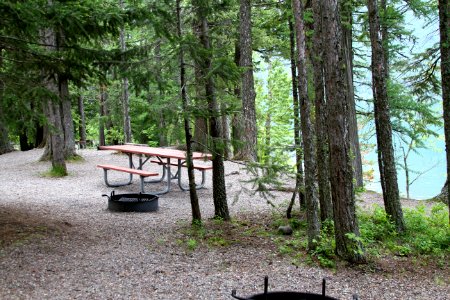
155 151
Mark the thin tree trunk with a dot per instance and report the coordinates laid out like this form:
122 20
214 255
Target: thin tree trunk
326 206
405 163
388 173
201 132
444 28
196 214
125 92
237 130
82 125
162 119
248 95
226 132
299 185
219 190
67 120
312 205
341 172
346 12
103 114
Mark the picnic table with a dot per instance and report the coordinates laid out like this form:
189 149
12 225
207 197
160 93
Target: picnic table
165 157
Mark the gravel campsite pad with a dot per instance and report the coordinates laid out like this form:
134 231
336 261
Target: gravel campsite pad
59 241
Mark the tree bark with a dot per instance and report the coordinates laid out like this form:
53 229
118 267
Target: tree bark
55 144
82 125
67 120
195 207
5 144
236 122
341 172
444 29
102 124
125 92
226 133
299 184
201 132
219 190
312 205
248 95
386 161
346 12
326 206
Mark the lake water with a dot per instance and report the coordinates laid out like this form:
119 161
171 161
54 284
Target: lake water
428 184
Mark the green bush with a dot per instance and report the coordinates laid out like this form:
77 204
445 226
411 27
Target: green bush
426 232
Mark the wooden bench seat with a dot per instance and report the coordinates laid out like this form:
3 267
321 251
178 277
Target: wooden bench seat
142 174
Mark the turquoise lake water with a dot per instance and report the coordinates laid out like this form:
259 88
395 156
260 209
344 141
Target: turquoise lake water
427 185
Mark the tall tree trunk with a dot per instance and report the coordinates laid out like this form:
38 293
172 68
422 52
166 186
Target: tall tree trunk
40 130
195 207
162 119
299 185
346 12
386 162
201 132
103 115
326 206
67 120
237 130
444 28
82 125
226 133
342 193
219 189
312 205
248 95
125 92
5 144
66 103
55 142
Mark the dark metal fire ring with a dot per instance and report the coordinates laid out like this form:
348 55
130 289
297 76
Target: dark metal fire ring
133 202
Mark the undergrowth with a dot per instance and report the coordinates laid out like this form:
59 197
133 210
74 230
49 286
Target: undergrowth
427 236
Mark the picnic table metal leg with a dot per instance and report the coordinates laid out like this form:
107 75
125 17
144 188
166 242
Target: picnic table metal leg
166 170
197 186
105 175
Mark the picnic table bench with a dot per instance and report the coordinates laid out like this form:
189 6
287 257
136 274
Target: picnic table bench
142 174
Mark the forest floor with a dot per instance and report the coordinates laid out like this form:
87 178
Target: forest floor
59 241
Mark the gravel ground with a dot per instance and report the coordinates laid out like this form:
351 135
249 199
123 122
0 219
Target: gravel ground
59 241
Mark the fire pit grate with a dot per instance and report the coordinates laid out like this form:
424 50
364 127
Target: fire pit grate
287 295
134 202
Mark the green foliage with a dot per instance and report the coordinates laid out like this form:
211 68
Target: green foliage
209 234
427 232
56 172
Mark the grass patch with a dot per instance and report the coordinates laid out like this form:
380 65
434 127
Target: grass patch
56 172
